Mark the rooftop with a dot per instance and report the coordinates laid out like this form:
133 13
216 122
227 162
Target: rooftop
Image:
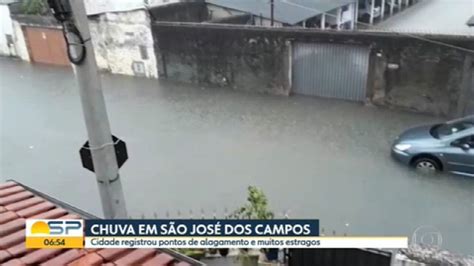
447 17
7 2
18 203
94 7
286 11
470 22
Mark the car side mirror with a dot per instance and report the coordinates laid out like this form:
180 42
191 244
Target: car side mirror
465 146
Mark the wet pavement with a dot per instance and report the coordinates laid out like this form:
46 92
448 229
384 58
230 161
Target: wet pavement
194 148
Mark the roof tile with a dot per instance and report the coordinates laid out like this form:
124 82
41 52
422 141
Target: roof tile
40 255
18 249
36 209
15 197
112 253
52 214
91 259
136 257
11 190
17 203
7 185
65 257
160 259
182 263
8 216
12 239
4 256
14 262
12 226
24 203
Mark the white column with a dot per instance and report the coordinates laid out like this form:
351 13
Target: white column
354 14
338 18
323 21
399 5
372 7
392 3
304 23
382 9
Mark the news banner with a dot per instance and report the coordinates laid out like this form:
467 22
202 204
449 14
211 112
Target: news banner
193 234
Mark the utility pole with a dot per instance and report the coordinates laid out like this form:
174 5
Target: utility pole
272 11
95 115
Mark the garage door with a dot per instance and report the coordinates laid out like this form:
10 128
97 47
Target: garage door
46 46
330 70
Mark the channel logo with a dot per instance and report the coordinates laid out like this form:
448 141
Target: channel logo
54 233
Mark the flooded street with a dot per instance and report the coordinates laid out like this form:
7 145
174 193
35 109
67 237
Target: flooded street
194 148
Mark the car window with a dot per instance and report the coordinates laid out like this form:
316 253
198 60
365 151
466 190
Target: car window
448 129
466 140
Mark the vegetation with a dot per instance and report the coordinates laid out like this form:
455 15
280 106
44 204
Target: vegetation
256 207
34 7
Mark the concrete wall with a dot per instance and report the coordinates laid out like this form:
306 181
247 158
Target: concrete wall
405 72
218 12
185 12
21 48
6 28
249 61
123 43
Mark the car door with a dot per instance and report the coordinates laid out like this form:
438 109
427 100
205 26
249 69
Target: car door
459 159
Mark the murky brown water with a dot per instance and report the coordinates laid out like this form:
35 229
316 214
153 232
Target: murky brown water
193 148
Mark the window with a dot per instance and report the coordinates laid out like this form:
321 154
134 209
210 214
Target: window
466 140
143 52
448 129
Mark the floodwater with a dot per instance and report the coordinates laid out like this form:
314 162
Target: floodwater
194 148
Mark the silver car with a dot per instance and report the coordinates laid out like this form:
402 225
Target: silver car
440 147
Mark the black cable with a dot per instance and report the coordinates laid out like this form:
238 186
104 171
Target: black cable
70 30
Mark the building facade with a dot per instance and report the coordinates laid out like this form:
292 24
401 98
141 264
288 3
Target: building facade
7 47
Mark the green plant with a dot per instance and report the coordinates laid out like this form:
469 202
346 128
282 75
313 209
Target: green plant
255 208
34 7
195 253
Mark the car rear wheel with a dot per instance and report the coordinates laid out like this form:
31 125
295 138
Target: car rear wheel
427 165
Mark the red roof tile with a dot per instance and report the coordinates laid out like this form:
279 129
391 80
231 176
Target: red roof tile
18 203
36 209
4 256
136 257
14 262
19 249
91 259
7 216
65 257
10 190
15 197
112 253
12 226
160 259
40 255
12 239
7 185
24 204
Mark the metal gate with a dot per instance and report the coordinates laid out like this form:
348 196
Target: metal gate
47 45
330 70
